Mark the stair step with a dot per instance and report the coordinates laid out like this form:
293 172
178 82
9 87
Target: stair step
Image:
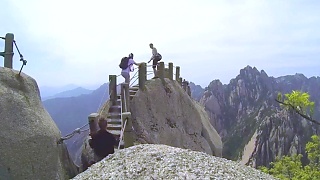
112 115
115 109
115 132
114 127
134 88
118 102
132 92
114 121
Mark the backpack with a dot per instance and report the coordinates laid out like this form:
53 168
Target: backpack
124 63
158 57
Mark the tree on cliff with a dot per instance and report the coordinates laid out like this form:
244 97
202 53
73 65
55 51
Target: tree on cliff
299 103
290 167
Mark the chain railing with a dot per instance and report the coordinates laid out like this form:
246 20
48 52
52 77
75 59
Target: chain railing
76 131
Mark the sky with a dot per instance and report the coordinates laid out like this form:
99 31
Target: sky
82 42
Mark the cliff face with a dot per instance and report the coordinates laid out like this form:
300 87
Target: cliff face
163 113
28 145
252 126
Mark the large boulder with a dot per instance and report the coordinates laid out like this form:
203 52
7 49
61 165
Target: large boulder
163 113
28 145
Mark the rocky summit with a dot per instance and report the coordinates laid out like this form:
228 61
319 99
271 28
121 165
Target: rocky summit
150 161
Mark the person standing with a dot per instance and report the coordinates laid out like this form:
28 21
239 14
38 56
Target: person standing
155 58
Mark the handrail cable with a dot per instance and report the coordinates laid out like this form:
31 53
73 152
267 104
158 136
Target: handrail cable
77 130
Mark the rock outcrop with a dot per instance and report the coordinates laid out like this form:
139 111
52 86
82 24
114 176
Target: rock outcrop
163 113
28 144
151 161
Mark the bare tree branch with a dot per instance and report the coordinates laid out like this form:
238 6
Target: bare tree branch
299 112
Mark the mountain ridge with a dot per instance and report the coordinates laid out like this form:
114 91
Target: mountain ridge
247 105
78 91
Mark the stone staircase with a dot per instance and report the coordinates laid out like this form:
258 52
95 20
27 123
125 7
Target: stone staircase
114 115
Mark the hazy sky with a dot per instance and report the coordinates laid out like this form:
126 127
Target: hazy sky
81 42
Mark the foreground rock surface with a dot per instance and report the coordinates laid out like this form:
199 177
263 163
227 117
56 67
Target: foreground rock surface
28 145
147 161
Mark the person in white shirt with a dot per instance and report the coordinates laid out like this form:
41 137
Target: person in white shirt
126 72
155 57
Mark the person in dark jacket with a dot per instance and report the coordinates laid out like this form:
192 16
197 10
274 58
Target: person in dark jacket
102 142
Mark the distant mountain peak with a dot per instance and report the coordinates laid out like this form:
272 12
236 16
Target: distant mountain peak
249 70
300 75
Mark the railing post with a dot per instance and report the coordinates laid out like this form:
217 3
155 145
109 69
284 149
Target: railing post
142 75
184 85
8 50
171 71
180 81
161 70
123 102
188 90
177 73
126 90
125 97
93 122
127 135
113 88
